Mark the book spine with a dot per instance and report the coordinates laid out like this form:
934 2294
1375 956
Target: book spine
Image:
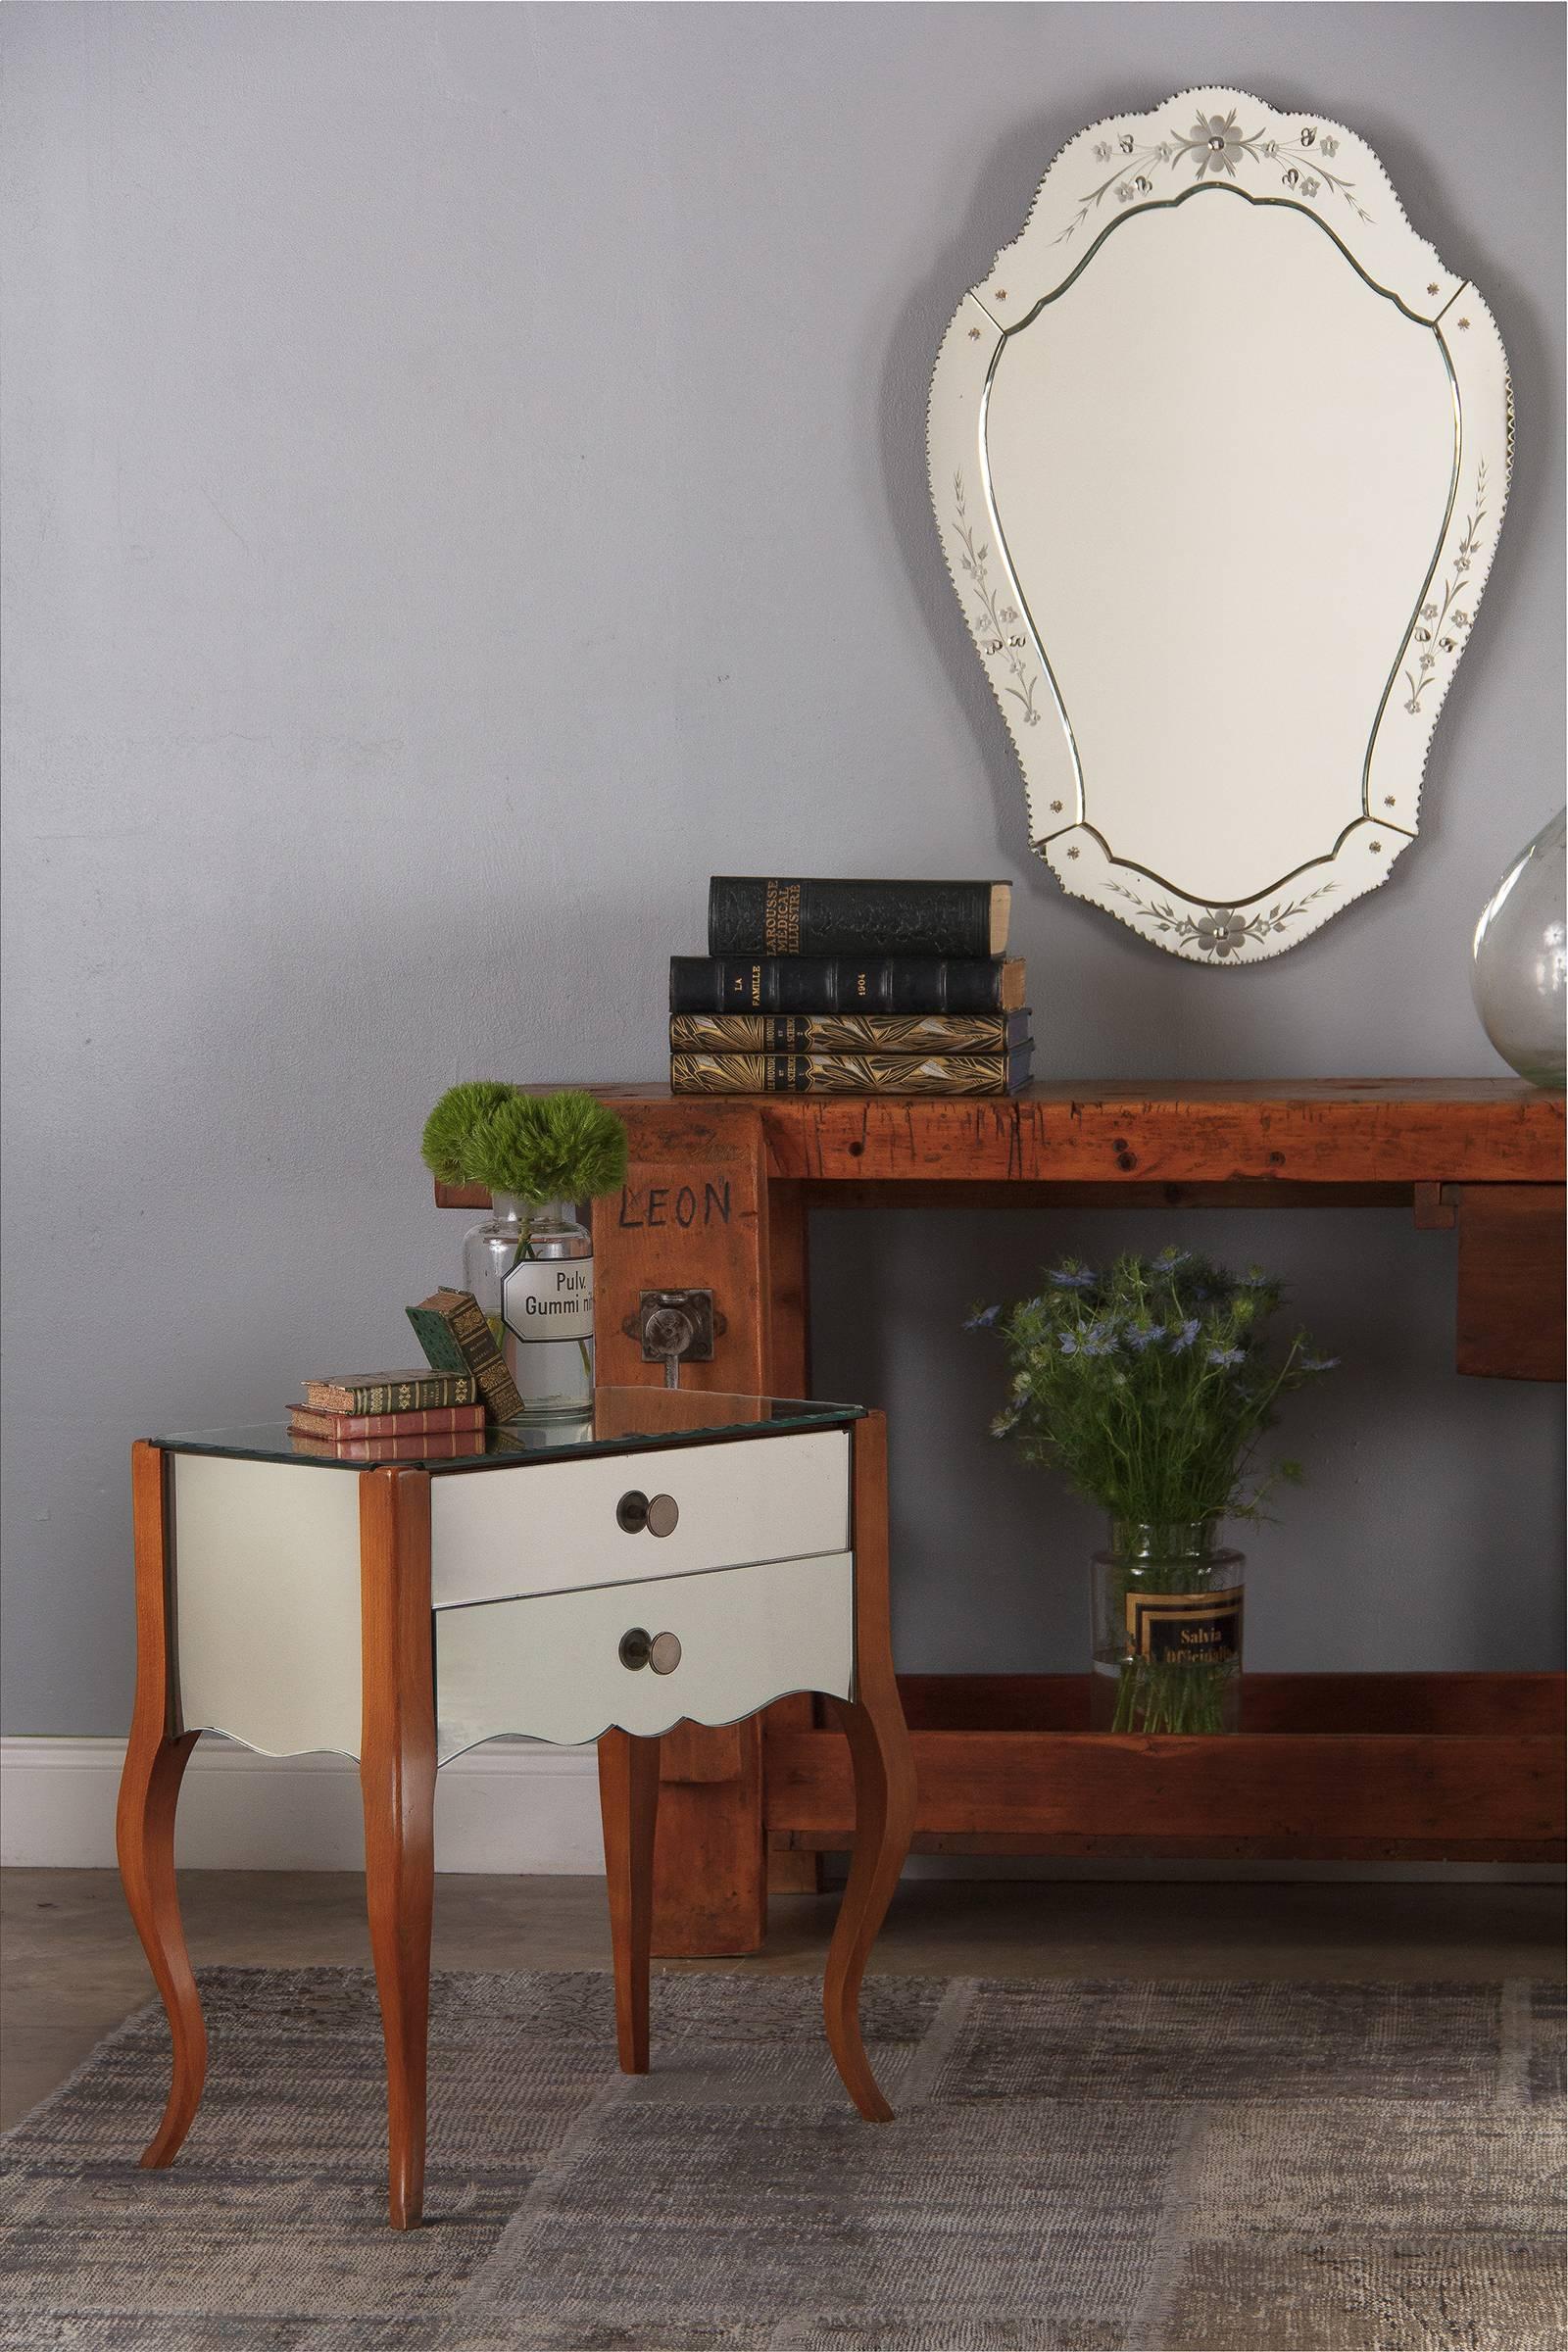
453 1445
847 1073
846 1032
420 1393
835 984
444 1420
787 915
450 1323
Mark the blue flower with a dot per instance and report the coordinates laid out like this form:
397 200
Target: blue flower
1098 1340
1071 1278
1172 1257
1255 1279
1067 1344
1185 1337
1140 1334
982 1319
1320 1363
1226 1355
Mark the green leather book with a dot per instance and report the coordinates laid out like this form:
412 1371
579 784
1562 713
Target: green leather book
391 1392
456 1337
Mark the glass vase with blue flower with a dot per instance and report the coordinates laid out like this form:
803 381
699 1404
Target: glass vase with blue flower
1149 1386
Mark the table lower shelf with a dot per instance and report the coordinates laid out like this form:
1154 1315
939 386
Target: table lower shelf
1373 1767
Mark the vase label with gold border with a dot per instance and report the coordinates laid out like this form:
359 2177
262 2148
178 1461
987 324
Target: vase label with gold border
1169 1626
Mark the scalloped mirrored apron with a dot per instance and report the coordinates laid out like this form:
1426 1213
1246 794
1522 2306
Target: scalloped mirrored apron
1219 450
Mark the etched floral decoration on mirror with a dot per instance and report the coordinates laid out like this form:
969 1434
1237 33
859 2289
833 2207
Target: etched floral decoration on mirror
1218 451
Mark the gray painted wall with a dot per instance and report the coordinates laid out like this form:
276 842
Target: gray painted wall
465 483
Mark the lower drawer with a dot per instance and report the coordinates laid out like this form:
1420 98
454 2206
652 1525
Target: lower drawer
553 1667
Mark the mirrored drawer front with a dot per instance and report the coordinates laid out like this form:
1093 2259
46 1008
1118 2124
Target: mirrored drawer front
568 1665
498 1535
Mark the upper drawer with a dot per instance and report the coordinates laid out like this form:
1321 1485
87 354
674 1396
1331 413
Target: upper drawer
553 1526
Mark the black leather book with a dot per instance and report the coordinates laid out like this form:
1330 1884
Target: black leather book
846 984
750 914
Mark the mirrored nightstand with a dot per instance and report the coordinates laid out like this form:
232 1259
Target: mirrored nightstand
674 1556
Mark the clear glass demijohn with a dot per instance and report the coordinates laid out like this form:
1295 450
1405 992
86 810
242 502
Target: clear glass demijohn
530 1265
1520 972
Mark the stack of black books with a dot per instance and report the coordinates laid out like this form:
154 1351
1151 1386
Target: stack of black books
851 988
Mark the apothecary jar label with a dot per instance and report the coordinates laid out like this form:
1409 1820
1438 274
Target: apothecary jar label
549 1298
1170 1626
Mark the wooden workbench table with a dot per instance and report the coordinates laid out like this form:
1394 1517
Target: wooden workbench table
1372 1766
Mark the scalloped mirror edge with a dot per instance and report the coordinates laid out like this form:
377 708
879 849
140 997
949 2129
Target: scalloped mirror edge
1107 173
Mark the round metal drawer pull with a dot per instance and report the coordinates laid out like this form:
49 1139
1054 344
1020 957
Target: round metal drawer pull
639 1648
660 1515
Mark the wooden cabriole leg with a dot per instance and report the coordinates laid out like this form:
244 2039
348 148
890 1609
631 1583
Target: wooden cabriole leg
628 1800
397 1783
884 1776
156 1757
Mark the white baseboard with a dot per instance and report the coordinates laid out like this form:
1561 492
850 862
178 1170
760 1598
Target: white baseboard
513 1807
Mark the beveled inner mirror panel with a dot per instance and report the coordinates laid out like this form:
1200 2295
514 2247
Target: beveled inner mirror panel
1218 452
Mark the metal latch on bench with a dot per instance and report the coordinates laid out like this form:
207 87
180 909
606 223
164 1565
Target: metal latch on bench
675 1327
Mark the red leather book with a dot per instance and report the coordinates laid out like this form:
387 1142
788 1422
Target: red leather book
442 1420
410 1449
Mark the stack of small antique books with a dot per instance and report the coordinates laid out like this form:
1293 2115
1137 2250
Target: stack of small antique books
386 1417
851 988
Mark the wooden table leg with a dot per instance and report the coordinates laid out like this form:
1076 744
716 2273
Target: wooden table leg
695 1209
790 1869
149 1791
884 1776
397 1783
628 1800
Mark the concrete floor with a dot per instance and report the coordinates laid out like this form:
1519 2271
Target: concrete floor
73 1969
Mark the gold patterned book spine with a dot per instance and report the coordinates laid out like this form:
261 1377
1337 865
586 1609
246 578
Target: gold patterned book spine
847 1073
844 1032
391 1393
453 1333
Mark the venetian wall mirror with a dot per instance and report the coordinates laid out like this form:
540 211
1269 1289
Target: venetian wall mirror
1218 451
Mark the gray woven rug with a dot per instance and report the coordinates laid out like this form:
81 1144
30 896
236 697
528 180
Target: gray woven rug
1111 2167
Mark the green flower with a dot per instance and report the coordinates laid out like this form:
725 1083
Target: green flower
561 1147
447 1144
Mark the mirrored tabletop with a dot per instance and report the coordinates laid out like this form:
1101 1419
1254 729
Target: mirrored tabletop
622 1420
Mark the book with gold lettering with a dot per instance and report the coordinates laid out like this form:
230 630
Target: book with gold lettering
455 1333
754 914
455 1445
851 1073
444 1421
846 1032
390 1391
846 983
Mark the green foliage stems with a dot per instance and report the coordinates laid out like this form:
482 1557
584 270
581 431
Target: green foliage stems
1154 1697
1148 1385
560 1146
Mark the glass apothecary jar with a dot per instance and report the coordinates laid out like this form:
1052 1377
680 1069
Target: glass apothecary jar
530 1266
1166 1605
